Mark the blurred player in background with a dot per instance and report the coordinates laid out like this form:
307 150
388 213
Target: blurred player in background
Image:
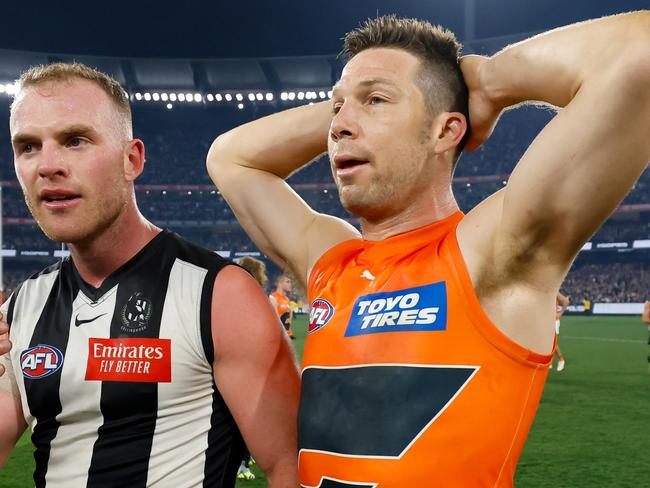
432 325
280 300
126 359
561 304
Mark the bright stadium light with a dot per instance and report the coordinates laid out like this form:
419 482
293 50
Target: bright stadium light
239 97
210 97
292 96
240 106
218 97
138 95
322 94
198 97
169 106
172 97
181 97
189 97
155 96
11 88
301 95
147 96
228 97
164 97
284 96
269 97
329 94
251 97
259 97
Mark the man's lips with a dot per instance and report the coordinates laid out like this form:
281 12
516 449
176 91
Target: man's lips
58 199
348 164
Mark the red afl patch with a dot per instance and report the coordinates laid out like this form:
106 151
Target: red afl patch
321 313
40 361
129 359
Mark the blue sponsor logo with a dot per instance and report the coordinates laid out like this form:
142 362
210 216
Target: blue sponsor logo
423 308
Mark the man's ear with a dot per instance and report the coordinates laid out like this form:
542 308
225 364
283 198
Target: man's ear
133 159
450 129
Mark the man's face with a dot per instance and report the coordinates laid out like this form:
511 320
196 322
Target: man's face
379 142
69 158
285 285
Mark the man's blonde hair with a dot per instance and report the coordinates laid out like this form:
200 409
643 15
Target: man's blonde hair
66 72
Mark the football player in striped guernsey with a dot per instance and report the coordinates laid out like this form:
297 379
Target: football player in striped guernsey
126 361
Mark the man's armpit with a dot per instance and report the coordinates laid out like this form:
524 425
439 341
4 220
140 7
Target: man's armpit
8 379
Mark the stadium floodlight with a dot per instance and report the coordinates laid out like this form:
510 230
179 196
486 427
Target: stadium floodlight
164 97
181 97
239 97
164 192
228 97
322 94
218 97
313 95
251 97
468 185
11 88
189 192
169 106
147 96
155 97
240 106
259 96
292 96
172 97
284 96
301 95
329 94
210 97
311 103
198 97
189 97
269 97
138 95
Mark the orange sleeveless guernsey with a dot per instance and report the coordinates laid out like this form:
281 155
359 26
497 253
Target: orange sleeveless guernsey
406 382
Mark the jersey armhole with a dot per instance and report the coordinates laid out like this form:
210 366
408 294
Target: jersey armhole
205 314
480 319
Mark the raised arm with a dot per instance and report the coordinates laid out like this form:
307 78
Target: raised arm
581 165
249 165
256 372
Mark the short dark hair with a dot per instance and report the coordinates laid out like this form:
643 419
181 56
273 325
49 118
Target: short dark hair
440 78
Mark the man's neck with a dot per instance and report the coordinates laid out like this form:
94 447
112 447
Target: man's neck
97 259
422 212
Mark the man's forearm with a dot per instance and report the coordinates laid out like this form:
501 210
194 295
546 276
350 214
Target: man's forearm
279 143
553 66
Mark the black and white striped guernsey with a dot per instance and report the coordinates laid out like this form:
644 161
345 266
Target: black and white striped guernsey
116 383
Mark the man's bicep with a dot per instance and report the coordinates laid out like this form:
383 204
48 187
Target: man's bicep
577 171
255 369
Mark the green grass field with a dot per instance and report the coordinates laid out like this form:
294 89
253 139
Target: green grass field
592 428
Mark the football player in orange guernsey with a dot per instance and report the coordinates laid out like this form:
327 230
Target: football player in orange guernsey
431 331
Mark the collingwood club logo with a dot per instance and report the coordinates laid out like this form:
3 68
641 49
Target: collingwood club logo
136 313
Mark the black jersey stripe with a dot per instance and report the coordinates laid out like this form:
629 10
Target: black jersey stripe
52 329
118 459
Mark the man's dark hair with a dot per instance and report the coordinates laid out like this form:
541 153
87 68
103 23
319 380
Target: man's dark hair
439 78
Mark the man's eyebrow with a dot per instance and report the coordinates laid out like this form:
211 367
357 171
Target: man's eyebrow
70 131
370 82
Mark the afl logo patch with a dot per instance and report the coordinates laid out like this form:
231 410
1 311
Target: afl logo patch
321 313
136 313
40 361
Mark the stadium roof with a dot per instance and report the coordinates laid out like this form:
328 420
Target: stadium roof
223 45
